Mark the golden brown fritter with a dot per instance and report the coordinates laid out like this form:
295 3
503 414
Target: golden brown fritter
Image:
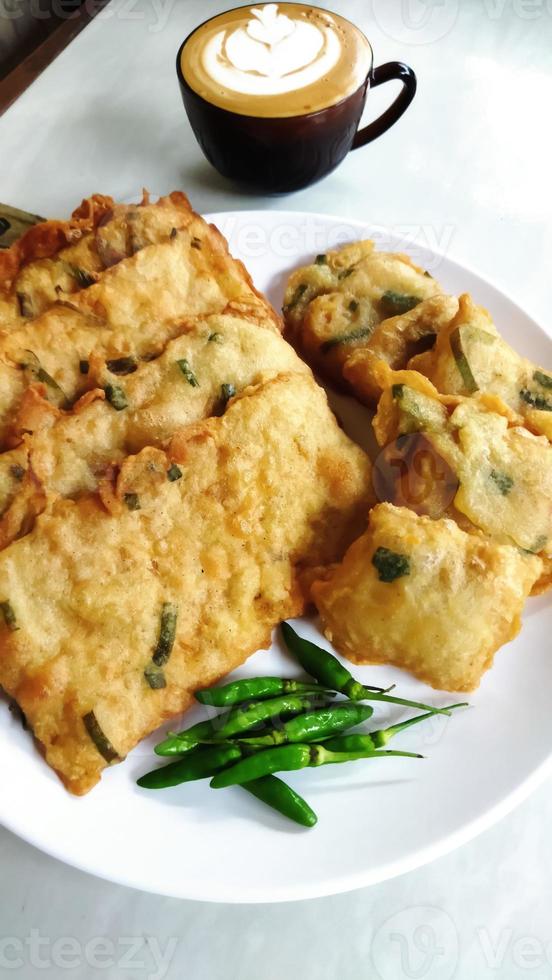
424 595
391 345
471 356
133 310
117 232
357 298
46 238
503 471
270 487
195 375
31 268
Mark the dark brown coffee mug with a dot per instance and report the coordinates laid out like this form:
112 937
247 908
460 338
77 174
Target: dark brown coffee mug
276 155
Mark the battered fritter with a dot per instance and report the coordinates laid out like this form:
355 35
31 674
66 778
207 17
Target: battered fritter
206 540
132 311
424 595
357 298
471 356
215 358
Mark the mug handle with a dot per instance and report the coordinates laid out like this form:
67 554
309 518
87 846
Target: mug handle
392 70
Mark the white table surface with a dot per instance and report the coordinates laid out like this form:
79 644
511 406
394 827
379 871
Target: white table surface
467 170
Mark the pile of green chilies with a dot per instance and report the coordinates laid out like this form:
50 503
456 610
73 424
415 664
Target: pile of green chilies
275 724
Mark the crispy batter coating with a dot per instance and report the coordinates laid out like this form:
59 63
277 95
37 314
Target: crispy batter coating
135 308
357 298
118 232
504 471
68 453
424 595
48 237
391 345
470 355
469 458
270 487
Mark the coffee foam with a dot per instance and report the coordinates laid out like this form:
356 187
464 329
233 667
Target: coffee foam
276 59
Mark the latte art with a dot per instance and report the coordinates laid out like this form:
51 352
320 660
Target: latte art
272 54
276 59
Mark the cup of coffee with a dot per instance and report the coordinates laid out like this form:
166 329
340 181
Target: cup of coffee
275 92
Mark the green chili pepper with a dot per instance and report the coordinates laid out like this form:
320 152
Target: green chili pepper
215 338
504 483
132 501
393 303
542 379
198 764
462 363
390 565
281 797
100 740
167 633
155 677
238 719
298 294
204 762
178 743
174 473
321 259
377 740
84 366
287 758
252 688
345 273
116 397
346 338
535 400
315 725
329 672
184 366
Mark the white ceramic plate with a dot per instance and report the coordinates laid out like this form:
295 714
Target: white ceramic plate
376 819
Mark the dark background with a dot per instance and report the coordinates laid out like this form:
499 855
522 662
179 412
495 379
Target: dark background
24 24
